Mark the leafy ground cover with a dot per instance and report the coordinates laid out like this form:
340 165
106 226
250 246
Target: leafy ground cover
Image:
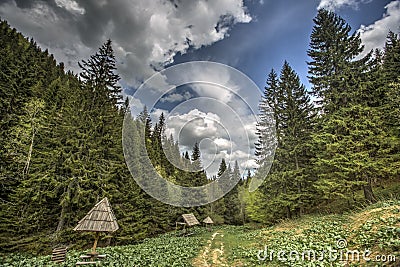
367 238
375 229
166 250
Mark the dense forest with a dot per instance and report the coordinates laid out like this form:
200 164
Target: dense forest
61 142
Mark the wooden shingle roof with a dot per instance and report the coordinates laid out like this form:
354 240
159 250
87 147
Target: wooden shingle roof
190 219
208 220
99 219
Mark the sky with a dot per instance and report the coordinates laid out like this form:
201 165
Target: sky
252 37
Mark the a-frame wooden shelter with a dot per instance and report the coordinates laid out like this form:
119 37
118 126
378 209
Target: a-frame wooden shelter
99 219
188 220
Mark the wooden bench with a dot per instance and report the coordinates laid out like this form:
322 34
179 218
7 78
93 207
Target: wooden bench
90 259
59 254
89 256
87 262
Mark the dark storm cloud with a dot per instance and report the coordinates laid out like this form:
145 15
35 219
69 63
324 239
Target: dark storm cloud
24 3
145 34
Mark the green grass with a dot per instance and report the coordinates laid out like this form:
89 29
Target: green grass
166 250
376 227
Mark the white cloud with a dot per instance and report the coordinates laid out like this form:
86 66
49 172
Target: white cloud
219 82
337 4
146 34
136 105
71 6
374 35
219 138
209 80
249 164
223 144
176 97
251 129
192 127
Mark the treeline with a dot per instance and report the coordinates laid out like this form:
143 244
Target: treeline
182 169
338 140
61 143
61 152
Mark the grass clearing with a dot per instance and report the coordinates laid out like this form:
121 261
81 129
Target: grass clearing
376 228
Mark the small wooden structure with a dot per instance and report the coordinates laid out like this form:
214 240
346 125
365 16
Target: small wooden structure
208 222
189 220
59 254
89 259
99 219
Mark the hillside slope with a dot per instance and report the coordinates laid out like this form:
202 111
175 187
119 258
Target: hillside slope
370 237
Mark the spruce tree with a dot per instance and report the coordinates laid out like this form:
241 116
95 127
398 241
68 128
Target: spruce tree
216 209
334 69
198 177
144 117
222 168
288 185
267 126
232 213
391 58
346 158
99 74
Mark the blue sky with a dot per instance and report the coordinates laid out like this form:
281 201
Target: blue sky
252 36
279 31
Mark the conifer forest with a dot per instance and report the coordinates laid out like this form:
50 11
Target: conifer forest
337 153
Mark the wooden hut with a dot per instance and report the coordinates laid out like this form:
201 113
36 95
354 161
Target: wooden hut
188 220
99 219
208 222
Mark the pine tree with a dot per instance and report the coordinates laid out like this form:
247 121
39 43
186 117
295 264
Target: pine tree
391 59
296 129
334 70
243 196
195 157
144 117
222 168
232 213
267 126
98 73
216 209
288 185
60 149
346 157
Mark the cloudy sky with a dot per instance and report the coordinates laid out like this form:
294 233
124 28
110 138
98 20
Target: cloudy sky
252 36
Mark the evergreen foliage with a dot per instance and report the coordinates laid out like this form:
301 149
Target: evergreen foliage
334 70
61 144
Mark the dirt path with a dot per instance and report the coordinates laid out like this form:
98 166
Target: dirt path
212 254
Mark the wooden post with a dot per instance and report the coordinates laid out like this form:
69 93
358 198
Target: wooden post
96 239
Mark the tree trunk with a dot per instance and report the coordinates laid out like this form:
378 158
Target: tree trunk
288 213
28 160
61 221
299 188
64 207
368 192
